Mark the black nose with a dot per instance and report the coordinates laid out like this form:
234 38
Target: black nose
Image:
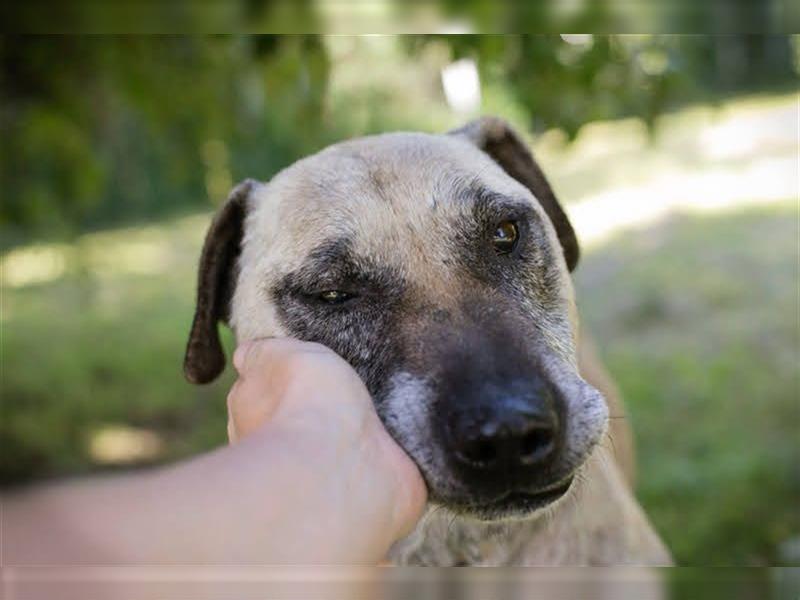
515 434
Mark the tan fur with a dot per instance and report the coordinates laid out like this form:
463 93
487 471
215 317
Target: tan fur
337 192
599 523
380 191
619 427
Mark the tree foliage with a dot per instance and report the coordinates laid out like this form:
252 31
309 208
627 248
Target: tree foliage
107 129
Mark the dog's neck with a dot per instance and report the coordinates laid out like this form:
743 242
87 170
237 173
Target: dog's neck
597 523
445 539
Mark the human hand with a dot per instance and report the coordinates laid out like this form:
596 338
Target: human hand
306 397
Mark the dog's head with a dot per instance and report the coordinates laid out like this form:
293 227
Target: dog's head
438 267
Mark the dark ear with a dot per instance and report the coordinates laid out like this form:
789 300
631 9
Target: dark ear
496 137
216 278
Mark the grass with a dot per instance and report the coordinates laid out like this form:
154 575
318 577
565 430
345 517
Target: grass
695 314
100 348
698 323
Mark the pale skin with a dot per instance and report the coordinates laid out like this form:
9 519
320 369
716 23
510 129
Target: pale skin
311 477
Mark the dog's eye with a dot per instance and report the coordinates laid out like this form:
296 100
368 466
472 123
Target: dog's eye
334 296
505 237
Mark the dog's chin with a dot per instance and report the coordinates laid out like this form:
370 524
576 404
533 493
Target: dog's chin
516 504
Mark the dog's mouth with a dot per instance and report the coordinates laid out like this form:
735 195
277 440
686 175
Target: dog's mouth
521 502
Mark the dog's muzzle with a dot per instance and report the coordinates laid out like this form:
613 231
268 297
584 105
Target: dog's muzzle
502 440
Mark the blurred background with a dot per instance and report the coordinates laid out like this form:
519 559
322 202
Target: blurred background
676 157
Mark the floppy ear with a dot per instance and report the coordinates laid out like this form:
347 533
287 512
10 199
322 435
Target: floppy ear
216 278
496 137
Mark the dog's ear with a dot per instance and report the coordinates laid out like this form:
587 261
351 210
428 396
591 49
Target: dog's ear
216 279
496 137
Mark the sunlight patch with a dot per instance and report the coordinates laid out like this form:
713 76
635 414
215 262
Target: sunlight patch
34 264
120 444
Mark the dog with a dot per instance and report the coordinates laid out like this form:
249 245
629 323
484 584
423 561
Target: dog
439 267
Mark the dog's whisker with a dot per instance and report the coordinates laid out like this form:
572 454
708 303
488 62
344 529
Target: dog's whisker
613 445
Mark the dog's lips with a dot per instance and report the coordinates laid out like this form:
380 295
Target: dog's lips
521 501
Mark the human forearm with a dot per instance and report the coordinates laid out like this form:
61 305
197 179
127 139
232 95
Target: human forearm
313 479
180 514
239 505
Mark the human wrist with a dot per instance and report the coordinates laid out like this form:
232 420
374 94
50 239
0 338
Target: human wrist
362 489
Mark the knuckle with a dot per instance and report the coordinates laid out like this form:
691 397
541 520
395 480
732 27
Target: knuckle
233 394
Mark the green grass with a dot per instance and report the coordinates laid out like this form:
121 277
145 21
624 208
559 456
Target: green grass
698 323
696 317
94 349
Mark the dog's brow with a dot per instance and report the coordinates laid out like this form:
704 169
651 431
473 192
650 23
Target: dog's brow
332 249
331 255
488 202
469 190
473 191
333 262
